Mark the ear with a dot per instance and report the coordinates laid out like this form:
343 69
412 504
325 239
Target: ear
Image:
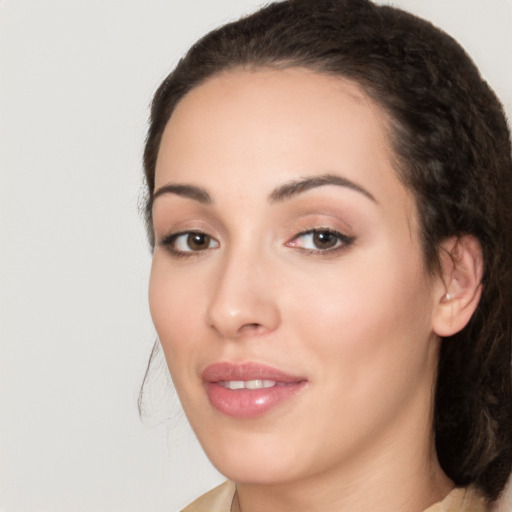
459 286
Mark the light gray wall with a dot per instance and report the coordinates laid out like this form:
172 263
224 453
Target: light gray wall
75 332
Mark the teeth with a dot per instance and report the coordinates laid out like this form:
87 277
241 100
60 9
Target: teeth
258 384
235 384
248 384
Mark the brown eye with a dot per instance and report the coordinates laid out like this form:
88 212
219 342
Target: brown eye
325 239
198 241
320 241
189 242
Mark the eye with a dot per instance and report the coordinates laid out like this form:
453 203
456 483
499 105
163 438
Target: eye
189 242
320 240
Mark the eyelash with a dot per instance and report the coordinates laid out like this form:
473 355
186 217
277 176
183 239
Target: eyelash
342 242
169 242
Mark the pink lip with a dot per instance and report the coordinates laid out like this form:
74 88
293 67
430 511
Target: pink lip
248 403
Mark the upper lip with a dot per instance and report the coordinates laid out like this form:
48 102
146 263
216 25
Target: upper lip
225 371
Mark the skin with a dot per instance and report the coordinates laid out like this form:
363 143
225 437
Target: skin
358 321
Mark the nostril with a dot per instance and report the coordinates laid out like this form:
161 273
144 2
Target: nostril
251 327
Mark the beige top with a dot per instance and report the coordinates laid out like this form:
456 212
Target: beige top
459 500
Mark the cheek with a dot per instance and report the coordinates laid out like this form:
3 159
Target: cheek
174 309
369 322
364 351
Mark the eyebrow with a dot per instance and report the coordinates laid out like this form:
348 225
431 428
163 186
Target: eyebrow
281 193
294 188
189 191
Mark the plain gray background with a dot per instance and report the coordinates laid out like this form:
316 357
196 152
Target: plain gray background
75 332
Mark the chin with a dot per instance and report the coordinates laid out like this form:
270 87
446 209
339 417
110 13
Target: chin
248 472
255 461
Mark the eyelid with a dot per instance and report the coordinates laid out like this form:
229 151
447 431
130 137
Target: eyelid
344 241
169 240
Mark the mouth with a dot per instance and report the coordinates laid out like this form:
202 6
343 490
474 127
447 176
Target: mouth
249 390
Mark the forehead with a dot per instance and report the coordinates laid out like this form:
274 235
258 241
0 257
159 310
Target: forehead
248 124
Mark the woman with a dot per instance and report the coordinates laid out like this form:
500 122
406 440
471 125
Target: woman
329 189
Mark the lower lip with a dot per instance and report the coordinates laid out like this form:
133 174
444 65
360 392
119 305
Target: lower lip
249 403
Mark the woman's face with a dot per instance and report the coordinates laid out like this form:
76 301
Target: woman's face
288 288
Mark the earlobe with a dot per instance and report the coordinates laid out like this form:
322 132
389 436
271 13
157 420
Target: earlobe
460 284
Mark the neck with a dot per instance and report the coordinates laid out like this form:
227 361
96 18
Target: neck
385 490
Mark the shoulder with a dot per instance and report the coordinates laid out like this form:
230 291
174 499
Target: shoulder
216 500
467 499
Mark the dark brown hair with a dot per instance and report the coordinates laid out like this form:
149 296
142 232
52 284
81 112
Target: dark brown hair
452 147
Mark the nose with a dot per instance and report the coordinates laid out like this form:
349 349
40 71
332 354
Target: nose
243 302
